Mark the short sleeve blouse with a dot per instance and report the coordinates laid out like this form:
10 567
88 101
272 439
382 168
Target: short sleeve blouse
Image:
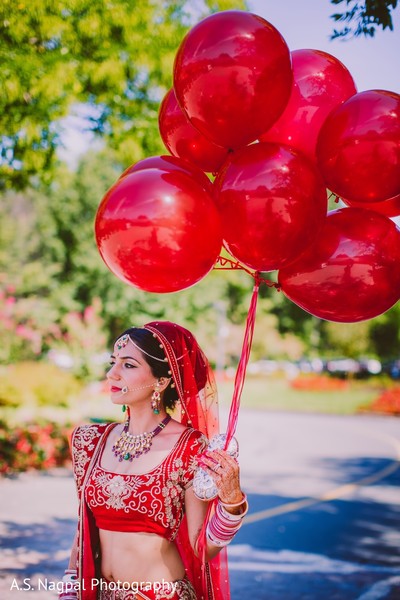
152 502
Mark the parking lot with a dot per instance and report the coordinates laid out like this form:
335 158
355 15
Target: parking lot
324 519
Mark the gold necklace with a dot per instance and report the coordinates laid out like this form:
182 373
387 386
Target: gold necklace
129 446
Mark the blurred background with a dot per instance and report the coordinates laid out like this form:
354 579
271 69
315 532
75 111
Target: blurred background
81 84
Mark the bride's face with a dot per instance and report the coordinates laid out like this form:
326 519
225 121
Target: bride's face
130 377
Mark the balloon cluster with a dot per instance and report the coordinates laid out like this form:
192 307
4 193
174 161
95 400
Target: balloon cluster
276 129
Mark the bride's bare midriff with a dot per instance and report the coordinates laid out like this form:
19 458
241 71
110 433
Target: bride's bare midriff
136 557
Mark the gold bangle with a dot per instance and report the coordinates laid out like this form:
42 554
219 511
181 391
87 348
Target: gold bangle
237 504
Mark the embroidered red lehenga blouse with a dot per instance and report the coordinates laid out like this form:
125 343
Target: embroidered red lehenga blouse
151 502
97 489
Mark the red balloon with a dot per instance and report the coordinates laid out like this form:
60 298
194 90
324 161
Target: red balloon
168 164
358 147
272 203
232 77
157 230
320 83
352 270
389 208
184 140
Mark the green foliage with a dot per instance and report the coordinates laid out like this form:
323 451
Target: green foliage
116 57
349 339
363 17
385 333
53 277
10 395
377 337
56 265
37 384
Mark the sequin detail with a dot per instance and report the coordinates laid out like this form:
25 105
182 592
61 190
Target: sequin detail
151 501
181 590
84 441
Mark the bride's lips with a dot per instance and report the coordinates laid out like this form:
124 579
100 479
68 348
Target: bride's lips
114 389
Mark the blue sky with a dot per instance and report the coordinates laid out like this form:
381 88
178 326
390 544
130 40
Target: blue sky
373 62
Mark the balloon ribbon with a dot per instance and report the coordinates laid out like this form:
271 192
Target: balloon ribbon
242 366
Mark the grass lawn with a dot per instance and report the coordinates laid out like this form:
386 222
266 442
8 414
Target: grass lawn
277 394
269 393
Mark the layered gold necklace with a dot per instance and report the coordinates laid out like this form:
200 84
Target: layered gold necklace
129 446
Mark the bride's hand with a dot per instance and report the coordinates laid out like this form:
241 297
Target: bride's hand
224 470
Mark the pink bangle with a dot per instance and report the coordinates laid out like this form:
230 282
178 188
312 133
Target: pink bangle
223 526
69 585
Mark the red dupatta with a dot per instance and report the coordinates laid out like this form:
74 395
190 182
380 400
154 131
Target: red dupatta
86 444
198 408
198 404
197 392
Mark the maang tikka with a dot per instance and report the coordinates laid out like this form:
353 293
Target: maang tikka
156 400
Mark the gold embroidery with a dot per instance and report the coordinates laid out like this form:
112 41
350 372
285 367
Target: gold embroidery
181 589
84 441
158 495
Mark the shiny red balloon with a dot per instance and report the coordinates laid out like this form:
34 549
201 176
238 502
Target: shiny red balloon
168 164
232 77
389 208
352 270
157 230
184 140
320 83
272 203
358 147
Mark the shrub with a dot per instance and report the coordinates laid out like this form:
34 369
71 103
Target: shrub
318 383
388 402
41 445
30 328
39 383
10 395
84 341
26 322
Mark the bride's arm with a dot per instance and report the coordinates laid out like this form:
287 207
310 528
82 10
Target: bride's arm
230 508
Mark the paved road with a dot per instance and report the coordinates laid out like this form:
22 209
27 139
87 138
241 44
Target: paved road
295 546
324 522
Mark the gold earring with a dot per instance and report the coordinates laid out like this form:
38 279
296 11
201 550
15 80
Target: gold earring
156 400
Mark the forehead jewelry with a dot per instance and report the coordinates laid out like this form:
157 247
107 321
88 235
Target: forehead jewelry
123 341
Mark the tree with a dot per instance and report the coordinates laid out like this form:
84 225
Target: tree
385 333
114 57
51 273
50 262
364 17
